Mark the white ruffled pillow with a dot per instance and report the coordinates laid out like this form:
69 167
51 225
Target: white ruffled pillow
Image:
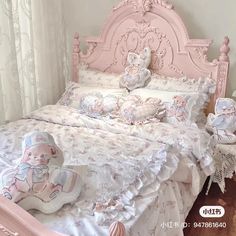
183 84
95 78
74 92
136 73
181 107
136 110
96 105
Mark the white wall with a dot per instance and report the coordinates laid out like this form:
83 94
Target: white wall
203 18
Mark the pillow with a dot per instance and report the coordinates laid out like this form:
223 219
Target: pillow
95 78
183 84
181 107
96 105
39 181
136 110
136 73
204 86
74 92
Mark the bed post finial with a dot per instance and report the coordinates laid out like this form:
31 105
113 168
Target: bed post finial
117 229
224 50
75 58
223 68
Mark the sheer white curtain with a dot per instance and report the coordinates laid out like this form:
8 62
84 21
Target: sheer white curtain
33 63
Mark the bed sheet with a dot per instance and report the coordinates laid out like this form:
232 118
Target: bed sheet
161 213
116 161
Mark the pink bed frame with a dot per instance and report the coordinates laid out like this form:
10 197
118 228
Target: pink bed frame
133 25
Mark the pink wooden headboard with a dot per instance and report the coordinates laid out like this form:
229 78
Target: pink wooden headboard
135 24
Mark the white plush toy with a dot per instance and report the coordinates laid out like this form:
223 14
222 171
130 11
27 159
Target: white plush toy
136 73
39 181
223 122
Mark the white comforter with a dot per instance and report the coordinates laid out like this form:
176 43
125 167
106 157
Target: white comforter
116 161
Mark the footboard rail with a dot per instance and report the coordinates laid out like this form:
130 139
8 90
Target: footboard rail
14 221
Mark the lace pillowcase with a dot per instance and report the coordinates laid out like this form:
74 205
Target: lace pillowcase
204 86
96 105
181 107
95 78
183 84
75 92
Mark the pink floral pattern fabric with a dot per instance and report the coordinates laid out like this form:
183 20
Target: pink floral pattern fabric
134 110
129 170
95 78
95 105
92 101
205 87
181 107
183 84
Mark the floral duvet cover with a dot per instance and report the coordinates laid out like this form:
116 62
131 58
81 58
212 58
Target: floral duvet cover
119 164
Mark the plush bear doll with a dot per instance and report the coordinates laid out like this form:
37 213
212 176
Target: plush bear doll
39 181
223 122
178 110
136 74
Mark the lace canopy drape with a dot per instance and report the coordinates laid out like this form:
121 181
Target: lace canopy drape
33 63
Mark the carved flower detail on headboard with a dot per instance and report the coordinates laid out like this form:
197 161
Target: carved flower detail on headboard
143 6
140 35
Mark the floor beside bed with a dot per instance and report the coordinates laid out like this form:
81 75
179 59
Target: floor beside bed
215 197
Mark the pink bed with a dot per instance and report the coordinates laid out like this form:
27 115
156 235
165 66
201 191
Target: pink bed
133 25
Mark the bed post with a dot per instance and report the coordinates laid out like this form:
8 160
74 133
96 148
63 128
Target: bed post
222 73
117 229
15 221
75 58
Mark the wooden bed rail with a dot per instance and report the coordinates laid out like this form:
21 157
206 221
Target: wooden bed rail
14 221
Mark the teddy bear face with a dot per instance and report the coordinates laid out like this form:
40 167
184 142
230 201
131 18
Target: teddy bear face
141 60
225 106
39 155
229 110
179 101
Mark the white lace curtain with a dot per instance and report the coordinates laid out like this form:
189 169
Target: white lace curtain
33 63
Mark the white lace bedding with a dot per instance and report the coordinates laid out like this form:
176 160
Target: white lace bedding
121 165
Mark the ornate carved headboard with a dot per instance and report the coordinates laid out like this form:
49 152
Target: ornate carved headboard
135 24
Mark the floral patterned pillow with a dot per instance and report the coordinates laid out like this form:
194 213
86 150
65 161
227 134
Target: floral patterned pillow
95 78
181 107
136 73
75 92
96 105
135 110
183 84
